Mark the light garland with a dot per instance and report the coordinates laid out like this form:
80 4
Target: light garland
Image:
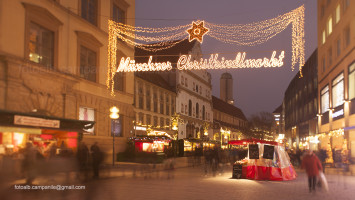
185 63
167 37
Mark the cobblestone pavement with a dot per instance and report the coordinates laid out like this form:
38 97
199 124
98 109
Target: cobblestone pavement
192 183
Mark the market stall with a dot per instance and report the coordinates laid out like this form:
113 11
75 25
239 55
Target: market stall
266 160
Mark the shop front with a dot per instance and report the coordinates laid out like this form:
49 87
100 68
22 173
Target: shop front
45 133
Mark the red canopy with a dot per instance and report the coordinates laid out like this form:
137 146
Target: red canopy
252 141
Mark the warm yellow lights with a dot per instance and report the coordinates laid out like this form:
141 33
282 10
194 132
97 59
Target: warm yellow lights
114 112
185 62
197 31
130 65
18 138
167 37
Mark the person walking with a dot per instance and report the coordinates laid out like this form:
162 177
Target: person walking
96 159
83 160
29 163
312 165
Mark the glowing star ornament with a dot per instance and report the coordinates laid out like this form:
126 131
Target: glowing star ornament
197 31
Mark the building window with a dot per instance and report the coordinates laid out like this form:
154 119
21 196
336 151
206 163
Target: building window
337 14
89 11
186 83
193 86
167 123
347 36
149 120
155 121
338 90
346 4
167 104
161 122
323 64
147 98
185 109
172 106
87 64
197 111
182 108
338 47
41 45
182 80
87 114
352 81
200 90
161 103
330 25
325 99
155 101
41 36
323 37
190 107
140 118
203 113
140 96
322 8
196 88
118 14
330 54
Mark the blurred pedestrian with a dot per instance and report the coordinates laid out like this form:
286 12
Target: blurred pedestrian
312 165
97 157
29 162
83 159
322 155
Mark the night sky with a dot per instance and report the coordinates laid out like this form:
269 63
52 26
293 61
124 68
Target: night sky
255 90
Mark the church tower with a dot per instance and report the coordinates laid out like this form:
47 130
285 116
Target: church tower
226 88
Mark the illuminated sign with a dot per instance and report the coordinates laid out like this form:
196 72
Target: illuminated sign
185 63
35 121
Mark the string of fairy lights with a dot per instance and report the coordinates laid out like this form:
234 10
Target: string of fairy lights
157 39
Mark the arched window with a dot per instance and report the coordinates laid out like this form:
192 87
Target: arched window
203 113
197 111
190 107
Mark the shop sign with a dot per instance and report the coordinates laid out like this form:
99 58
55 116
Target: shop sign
35 121
253 151
268 152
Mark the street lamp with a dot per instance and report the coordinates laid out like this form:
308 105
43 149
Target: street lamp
113 115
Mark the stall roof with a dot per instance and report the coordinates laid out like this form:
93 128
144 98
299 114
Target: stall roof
35 121
252 141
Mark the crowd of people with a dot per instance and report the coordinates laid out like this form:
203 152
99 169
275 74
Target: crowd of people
33 161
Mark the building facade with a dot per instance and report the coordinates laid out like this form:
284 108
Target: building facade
193 90
278 127
301 106
154 105
229 122
53 62
336 76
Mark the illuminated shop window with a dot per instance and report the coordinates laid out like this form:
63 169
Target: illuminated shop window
352 81
338 90
325 99
87 114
